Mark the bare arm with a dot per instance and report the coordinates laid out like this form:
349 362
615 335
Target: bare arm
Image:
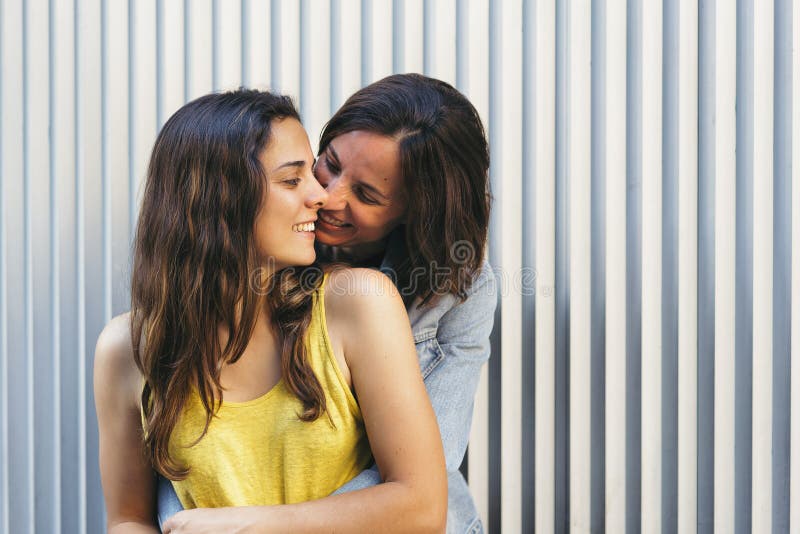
462 340
399 420
128 481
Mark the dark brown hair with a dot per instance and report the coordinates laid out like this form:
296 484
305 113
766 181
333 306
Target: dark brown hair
444 161
194 261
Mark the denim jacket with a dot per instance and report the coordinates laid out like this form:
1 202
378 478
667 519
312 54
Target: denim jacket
452 342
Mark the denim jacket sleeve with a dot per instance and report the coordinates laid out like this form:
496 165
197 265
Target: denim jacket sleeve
452 341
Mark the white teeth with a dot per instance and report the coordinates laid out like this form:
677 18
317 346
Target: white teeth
305 227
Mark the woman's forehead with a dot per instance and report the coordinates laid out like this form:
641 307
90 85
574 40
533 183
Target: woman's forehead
369 156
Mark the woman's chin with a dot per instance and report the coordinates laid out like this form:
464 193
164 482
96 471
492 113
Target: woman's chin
308 259
332 240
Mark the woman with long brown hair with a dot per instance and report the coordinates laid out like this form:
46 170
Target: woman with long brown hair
258 388
405 162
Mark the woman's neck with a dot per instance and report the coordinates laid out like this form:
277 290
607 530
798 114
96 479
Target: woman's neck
363 254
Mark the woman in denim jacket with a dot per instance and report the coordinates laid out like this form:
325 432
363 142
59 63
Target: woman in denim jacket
405 162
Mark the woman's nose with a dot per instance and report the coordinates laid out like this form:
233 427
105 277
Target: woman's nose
337 194
318 196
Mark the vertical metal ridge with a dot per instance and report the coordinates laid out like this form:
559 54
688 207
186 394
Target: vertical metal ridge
510 221
725 222
305 59
187 53
688 188
794 333
106 226
398 39
651 179
495 250
215 46
782 266
462 31
578 164
246 37
55 305
597 284
391 25
334 56
615 153
743 276
5 512
478 453
670 271
366 42
762 204
105 164
28 270
80 210
314 67
528 245
706 267
541 23
633 330
275 44
38 202
427 37
160 63
562 325
132 116
65 417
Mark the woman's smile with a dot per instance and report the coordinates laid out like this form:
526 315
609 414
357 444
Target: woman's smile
305 229
367 199
330 220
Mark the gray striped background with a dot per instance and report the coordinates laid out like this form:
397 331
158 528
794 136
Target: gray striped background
641 168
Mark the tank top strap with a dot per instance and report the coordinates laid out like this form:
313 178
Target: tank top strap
322 358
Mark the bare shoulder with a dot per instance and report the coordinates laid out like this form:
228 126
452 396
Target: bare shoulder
114 345
114 366
360 289
362 305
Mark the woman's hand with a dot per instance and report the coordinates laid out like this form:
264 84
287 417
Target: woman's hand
217 520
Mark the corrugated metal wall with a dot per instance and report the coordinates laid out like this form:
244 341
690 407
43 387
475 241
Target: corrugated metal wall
646 208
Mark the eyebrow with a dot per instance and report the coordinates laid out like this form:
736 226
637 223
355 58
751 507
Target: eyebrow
333 151
294 164
362 183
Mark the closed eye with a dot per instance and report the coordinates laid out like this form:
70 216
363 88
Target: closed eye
332 166
364 197
292 182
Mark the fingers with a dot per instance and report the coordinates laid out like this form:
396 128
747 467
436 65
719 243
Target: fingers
172 524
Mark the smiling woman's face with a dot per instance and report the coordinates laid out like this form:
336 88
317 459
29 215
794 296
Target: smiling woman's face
284 227
367 199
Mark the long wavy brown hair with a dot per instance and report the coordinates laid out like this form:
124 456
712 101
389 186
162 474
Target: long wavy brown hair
195 261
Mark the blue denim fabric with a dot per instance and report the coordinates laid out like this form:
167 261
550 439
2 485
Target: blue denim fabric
168 503
452 341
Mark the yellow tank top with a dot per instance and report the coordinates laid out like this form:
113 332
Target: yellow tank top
260 453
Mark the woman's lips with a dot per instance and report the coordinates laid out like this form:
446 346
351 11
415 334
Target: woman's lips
331 229
332 222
